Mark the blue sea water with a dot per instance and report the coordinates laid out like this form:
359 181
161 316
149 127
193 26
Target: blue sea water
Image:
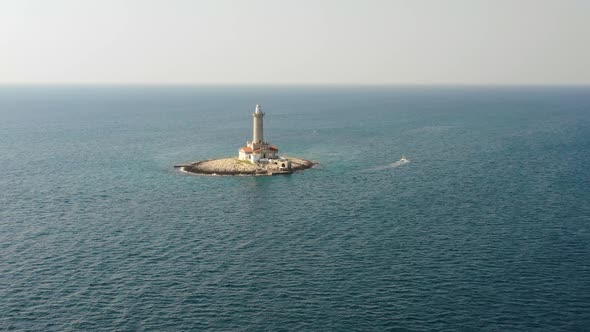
486 229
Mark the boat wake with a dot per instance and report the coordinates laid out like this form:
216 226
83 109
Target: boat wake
403 161
400 162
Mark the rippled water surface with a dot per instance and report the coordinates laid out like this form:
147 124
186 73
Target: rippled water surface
486 228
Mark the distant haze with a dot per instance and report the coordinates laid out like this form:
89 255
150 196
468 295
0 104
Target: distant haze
295 42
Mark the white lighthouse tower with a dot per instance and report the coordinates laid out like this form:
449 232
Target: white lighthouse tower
257 150
258 137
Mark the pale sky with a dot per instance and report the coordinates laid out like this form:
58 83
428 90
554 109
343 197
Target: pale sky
295 42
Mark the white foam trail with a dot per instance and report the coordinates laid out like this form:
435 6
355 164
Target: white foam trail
399 163
396 164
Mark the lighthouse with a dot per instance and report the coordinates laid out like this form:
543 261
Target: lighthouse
258 137
257 150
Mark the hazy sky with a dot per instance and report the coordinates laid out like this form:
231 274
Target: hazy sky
295 42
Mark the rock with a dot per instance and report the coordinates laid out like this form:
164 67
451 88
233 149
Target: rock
234 166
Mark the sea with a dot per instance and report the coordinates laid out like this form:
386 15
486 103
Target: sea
486 228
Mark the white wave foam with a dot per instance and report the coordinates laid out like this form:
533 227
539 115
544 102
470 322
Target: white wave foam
395 164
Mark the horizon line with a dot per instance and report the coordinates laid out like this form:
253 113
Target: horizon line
188 84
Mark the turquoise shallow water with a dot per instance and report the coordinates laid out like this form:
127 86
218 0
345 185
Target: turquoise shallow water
487 228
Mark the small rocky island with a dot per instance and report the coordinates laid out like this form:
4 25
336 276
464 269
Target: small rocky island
256 158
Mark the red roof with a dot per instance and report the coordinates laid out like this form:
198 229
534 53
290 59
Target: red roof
263 149
248 149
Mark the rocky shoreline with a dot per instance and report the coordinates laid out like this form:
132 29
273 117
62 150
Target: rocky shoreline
234 166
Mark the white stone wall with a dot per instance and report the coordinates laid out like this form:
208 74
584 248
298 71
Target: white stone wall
255 157
242 155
